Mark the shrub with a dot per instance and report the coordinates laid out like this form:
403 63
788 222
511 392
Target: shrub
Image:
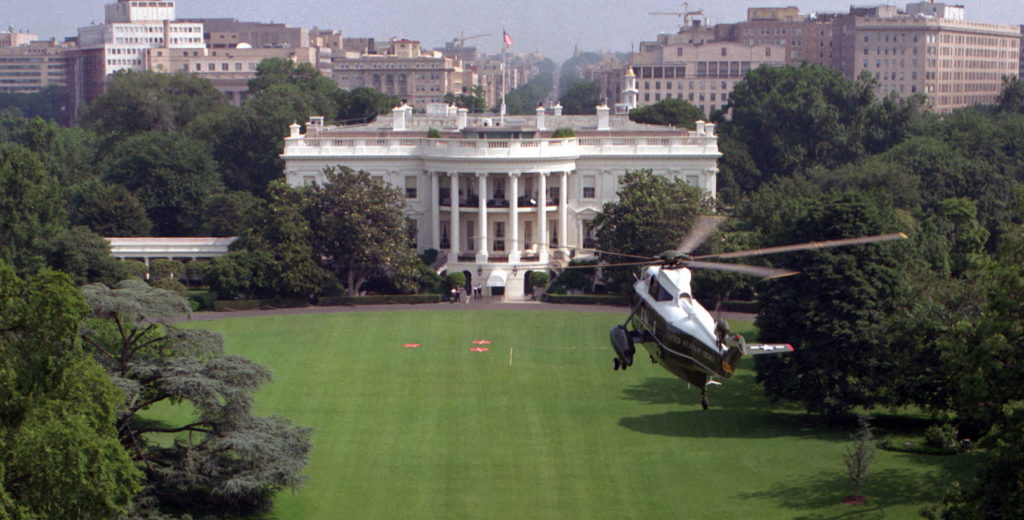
433 133
163 268
134 269
457 280
563 132
940 436
171 285
539 279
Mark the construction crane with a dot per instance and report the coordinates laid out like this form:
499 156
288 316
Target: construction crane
462 40
685 14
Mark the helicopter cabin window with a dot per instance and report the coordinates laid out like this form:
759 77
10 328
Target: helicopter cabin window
658 292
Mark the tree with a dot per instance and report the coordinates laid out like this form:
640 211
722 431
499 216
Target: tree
172 176
858 457
364 104
85 256
473 100
581 98
279 229
60 457
834 310
233 462
1011 96
525 98
109 210
360 229
138 102
673 111
651 216
795 118
31 208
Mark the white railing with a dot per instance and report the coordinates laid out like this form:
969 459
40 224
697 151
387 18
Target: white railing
680 145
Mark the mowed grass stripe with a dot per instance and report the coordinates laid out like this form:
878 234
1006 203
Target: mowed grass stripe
442 432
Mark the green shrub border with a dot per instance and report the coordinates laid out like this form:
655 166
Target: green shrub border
378 299
587 299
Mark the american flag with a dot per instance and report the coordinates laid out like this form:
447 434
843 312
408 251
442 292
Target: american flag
507 39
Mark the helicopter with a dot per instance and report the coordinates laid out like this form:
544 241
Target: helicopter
677 331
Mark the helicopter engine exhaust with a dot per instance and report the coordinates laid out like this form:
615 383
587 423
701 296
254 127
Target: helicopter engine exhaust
622 342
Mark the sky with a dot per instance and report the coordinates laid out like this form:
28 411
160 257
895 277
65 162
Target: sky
552 27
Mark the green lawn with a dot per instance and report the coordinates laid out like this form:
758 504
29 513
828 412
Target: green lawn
540 426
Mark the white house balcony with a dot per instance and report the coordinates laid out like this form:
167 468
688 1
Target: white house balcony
498 148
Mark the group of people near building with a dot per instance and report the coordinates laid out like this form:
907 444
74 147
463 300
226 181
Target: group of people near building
476 291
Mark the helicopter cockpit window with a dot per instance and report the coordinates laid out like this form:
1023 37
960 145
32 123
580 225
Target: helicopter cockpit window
658 292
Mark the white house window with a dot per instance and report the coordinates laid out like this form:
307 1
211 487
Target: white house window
553 226
410 187
589 187
499 236
528 234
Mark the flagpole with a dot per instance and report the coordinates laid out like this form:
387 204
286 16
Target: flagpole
504 73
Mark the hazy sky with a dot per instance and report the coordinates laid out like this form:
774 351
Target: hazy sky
552 27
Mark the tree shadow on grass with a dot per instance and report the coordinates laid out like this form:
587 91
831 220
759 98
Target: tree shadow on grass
884 489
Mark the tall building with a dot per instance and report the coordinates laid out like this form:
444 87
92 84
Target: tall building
130 28
806 38
499 197
403 69
10 38
229 69
32 65
930 49
702 73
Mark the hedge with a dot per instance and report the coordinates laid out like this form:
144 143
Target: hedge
248 305
589 299
378 299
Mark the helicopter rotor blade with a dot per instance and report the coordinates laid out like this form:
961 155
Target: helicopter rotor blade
701 230
621 264
601 251
751 270
807 246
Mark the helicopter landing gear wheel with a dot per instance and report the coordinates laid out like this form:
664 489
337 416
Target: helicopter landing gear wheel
704 401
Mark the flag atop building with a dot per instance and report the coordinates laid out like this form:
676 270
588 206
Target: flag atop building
506 38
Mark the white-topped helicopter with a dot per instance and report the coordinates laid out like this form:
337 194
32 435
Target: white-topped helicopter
677 331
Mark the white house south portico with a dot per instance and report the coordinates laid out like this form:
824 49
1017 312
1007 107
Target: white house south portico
499 197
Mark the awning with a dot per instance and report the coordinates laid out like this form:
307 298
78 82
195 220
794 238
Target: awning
497 278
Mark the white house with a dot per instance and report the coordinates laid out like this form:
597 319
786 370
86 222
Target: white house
499 196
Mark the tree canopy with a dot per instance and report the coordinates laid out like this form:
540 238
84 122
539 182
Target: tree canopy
673 111
60 457
359 228
236 461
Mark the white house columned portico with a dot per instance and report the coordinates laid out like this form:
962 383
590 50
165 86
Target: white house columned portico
499 200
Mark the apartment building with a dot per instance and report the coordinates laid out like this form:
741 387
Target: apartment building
229 69
402 69
31 65
806 38
928 49
703 74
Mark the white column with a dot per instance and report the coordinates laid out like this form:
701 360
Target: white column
481 245
513 217
435 210
563 211
453 252
542 216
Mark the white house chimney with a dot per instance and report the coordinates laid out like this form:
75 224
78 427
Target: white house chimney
558 109
700 127
540 117
709 129
398 117
462 120
602 117
294 130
